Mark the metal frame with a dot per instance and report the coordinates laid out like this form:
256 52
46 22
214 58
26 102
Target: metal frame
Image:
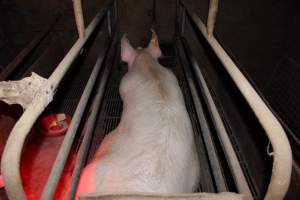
90 126
217 171
65 148
10 165
231 157
282 154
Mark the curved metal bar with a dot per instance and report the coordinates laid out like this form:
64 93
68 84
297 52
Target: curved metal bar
282 154
10 165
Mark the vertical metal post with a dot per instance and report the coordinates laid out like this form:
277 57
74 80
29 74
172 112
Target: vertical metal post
176 19
109 21
77 6
211 18
116 10
183 18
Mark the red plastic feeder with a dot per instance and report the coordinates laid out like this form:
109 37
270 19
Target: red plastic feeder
55 124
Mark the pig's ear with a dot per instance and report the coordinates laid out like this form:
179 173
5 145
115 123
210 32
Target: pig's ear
153 46
128 53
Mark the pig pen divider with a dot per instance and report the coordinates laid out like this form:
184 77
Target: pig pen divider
230 154
88 129
282 155
206 132
65 148
10 166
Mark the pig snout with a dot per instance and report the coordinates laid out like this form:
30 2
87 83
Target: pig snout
152 149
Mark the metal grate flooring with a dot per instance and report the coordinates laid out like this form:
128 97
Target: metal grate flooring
111 110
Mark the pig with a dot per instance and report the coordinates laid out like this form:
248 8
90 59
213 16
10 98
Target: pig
152 150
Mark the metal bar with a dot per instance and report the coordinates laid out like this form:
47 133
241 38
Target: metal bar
64 65
65 148
176 19
89 129
238 175
211 18
207 135
79 18
116 9
183 18
12 66
10 165
282 154
152 196
109 22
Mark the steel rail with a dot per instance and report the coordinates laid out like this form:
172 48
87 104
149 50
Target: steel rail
10 165
212 15
89 126
206 133
237 172
88 132
58 166
282 154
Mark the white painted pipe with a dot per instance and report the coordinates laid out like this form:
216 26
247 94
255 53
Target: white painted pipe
79 18
282 154
10 165
211 18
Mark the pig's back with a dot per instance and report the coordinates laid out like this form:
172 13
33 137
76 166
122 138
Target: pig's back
152 149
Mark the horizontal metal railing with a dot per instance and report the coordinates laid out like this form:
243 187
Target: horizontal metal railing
282 154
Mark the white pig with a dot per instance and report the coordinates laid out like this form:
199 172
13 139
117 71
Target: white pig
152 150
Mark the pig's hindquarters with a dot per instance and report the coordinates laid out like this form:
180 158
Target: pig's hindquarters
152 150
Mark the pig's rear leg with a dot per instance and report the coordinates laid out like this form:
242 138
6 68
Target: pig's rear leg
94 173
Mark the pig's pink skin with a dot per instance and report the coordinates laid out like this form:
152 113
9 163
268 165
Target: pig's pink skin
152 150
